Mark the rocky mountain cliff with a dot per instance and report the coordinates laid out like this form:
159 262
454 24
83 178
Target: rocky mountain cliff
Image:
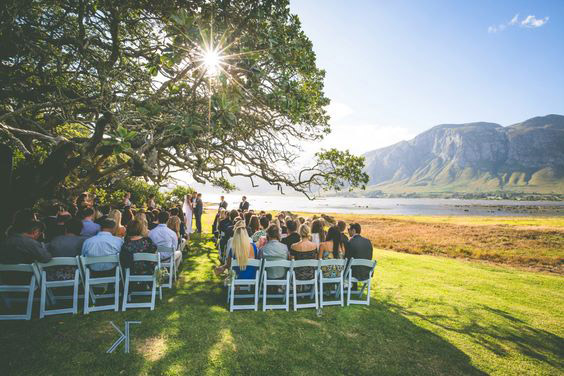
474 157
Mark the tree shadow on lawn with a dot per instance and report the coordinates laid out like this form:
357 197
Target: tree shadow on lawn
495 330
202 336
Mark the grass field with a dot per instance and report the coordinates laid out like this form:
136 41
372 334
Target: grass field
531 242
429 316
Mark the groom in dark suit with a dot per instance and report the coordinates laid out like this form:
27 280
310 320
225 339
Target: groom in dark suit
244 205
358 248
198 210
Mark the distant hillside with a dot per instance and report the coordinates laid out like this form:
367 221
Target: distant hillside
475 157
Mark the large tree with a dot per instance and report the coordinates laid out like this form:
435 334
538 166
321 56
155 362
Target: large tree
96 90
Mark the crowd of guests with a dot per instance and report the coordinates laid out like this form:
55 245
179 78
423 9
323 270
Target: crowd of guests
245 234
87 229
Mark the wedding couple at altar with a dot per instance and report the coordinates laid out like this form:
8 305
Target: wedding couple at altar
193 207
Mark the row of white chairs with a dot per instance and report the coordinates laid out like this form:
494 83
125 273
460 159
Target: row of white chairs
254 289
83 278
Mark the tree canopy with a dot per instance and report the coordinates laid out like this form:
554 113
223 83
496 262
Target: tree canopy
101 90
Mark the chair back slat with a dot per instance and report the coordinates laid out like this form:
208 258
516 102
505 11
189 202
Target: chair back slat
152 257
163 249
304 263
98 259
251 262
277 263
27 268
363 262
58 261
337 262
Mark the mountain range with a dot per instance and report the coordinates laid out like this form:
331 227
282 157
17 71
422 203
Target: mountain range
474 157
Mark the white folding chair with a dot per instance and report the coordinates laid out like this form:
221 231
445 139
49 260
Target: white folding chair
338 281
234 282
45 286
143 278
366 283
168 264
283 282
90 283
182 245
23 288
305 282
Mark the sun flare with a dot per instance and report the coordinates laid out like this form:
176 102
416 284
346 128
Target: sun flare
211 60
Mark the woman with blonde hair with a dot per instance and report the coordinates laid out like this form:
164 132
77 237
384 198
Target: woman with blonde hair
173 223
305 249
242 249
119 230
142 217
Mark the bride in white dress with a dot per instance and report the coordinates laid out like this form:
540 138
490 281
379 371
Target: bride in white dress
188 209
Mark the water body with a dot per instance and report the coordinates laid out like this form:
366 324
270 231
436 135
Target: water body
400 206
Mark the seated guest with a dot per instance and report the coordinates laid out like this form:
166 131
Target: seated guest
293 236
317 231
304 249
127 215
155 219
242 250
253 225
104 243
359 248
173 223
282 220
51 222
226 228
89 228
332 248
162 236
69 244
264 223
247 217
115 215
22 246
274 250
342 226
136 242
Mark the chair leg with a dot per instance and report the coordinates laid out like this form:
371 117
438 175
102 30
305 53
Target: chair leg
349 291
287 295
125 292
295 294
153 293
30 297
86 296
265 285
314 287
232 296
42 299
321 291
256 296
116 291
341 293
75 293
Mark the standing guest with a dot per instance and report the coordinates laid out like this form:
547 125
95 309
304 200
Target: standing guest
126 199
136 242
332 248
198 211
304 249
115 215
242 250
22 246
89 228
163 236
274 250
104 243
264 223
151 202
293 236
69 244
359 248
244 205
317 232
222 203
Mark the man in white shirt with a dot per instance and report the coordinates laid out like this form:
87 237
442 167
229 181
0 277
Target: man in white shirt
162 236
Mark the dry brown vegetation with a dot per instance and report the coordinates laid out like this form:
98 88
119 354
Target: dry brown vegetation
540 247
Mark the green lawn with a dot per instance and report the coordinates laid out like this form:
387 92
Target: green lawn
429 316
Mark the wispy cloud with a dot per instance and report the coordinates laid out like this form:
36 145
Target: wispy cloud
529 22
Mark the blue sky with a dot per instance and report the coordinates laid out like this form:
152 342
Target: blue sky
395 68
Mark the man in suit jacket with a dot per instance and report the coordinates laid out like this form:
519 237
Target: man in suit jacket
223 203
359 248
244 205
198 211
